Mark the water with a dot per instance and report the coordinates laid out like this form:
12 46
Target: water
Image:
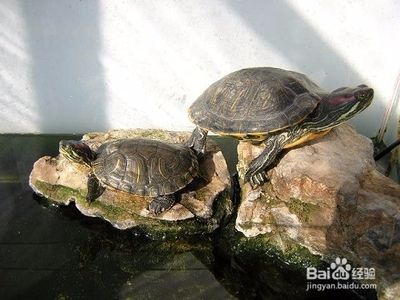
49 252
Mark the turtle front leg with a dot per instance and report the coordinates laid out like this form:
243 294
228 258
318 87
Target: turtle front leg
162 203
255 172
197 140
95 189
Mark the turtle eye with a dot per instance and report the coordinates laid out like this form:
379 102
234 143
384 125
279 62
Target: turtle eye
364 94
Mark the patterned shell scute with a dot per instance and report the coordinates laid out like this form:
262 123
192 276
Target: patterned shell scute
256 100
145 167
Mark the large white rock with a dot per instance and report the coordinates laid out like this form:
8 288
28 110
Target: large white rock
328 196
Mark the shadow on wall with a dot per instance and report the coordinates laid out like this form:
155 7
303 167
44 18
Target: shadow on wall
68 78
283 28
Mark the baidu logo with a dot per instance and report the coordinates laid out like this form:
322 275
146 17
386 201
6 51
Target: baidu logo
340 270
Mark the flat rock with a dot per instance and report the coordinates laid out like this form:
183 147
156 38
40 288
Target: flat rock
64 182
328 197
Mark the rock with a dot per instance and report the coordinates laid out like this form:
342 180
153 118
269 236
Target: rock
328 197
64 182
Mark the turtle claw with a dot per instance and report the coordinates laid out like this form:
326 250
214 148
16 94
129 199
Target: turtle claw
257 179
161 204
255 174
155 208
197 141
95 189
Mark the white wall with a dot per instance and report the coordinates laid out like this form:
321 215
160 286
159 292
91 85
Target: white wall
75 66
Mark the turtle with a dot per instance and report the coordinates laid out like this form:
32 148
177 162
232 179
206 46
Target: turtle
274 107
141 167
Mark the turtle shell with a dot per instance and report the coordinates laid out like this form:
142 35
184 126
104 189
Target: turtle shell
145 167
255 100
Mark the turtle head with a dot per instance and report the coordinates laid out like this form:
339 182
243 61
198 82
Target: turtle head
77 151
341 105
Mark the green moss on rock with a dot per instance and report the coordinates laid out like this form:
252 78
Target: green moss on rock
59 194
264 247
302 209
151 227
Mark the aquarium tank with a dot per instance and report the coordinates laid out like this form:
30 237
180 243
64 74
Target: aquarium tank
199 150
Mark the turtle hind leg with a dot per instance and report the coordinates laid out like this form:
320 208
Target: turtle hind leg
197 141
95 189
255 173
162 203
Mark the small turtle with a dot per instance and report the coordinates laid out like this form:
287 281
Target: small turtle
276 107
137 166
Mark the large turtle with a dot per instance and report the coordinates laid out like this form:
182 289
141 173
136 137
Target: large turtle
137 166
277 107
